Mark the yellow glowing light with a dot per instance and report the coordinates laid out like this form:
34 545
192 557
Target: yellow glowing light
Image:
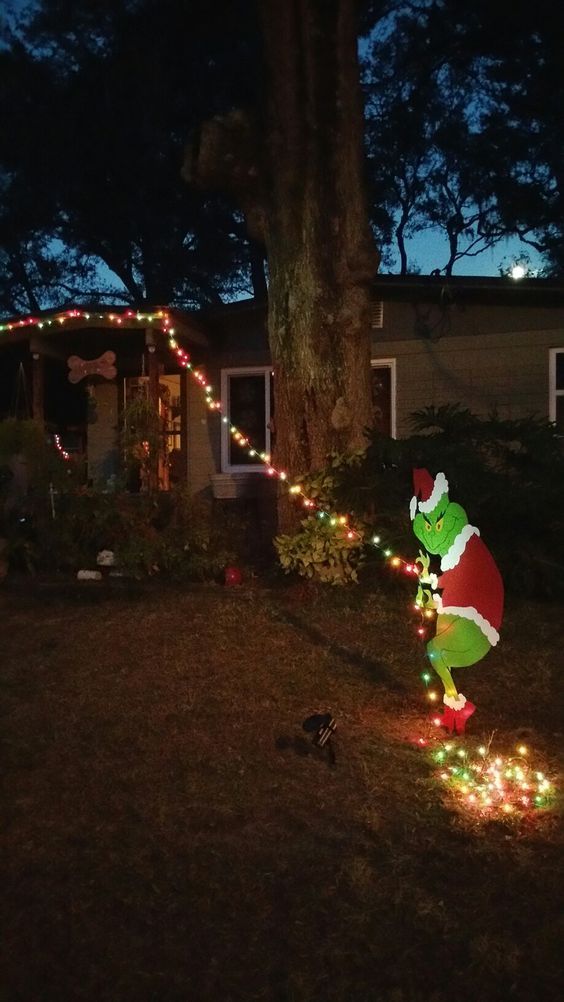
517 272
482 750
395 561
432 696
507 808
429 613
295 489
522 749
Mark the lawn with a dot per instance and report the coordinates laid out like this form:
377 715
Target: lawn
171 834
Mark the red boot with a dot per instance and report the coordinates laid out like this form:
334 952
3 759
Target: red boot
462 716
448 719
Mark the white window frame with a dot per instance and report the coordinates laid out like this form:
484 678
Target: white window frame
390 363
226 374
553 393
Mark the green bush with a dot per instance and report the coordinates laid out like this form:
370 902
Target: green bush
321 551
50 522
508 475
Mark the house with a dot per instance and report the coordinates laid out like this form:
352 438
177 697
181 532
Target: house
486 343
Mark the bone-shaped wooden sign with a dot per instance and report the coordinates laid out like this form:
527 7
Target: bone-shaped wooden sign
102 366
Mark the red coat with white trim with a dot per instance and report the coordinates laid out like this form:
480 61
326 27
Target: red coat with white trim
474 583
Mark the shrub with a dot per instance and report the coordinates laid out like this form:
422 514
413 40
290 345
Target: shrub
321 551
508 475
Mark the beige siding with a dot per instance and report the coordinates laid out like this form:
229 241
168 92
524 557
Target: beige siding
507 372
203 439
481 355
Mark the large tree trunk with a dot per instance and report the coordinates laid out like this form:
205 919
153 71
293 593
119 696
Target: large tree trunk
299 180
320 254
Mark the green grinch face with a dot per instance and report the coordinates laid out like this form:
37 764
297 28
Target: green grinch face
438 529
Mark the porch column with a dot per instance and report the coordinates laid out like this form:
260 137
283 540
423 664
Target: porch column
38 387
153 397
184 430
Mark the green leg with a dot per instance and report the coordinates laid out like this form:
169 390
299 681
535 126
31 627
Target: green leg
457 643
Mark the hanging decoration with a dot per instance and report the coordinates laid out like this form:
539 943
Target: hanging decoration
467 596
103 366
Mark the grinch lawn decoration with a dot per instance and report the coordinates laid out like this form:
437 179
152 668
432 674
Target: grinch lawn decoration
467 596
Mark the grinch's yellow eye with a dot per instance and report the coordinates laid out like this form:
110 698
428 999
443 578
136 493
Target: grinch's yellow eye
427 526
439 525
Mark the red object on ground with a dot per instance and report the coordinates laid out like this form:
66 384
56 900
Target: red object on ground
233 576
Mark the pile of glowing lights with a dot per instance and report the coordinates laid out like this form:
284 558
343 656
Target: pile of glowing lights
487 783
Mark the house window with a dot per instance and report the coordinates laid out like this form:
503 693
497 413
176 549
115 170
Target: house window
384 395
246 396
556 403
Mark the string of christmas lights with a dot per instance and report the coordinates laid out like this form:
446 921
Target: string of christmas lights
487 783
62 452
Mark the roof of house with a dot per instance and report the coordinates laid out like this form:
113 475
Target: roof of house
501 290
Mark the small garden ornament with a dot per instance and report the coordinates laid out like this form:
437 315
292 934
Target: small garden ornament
467 596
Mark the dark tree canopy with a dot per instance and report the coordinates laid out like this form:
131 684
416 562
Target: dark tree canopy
464 129
100 98
97 98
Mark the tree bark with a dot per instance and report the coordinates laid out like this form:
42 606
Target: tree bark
320 253
298 176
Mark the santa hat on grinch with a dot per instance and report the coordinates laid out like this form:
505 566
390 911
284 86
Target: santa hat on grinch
428 491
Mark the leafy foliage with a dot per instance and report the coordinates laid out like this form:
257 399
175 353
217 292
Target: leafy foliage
49 522
464 133
140 439
321 552
175 536
109 215
97 209
508 475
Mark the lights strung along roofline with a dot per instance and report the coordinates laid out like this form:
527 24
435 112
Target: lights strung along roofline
60 317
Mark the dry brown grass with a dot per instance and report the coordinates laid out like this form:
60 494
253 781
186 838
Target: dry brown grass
162 844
